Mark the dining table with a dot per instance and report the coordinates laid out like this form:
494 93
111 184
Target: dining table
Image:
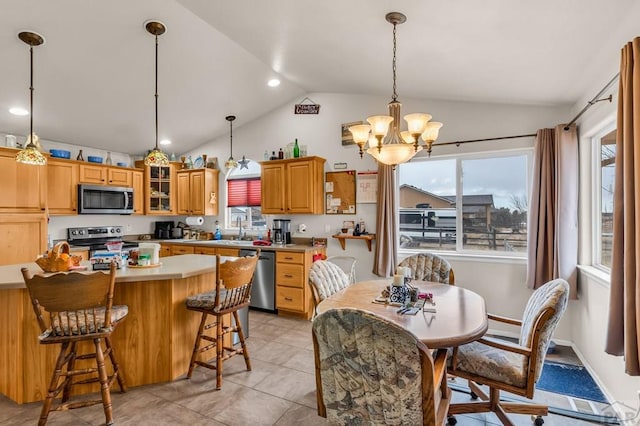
456 316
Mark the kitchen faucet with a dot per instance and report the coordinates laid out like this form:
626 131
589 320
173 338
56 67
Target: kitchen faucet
239 223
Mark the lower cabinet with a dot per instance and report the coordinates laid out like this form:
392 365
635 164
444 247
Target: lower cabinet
293 295
23 236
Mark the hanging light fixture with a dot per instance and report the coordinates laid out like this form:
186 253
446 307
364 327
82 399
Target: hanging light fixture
386 143
156 157
31 154
231 163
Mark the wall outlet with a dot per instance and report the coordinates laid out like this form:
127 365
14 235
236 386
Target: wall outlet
327 228
128 228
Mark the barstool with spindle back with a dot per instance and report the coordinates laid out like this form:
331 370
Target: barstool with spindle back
72 307
233 291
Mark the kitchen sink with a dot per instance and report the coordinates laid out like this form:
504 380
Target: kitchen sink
240 243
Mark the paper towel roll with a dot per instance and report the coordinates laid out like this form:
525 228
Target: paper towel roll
195 220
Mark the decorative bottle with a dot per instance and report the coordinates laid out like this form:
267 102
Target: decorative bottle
266 154
296 150
80 157
218 234
280 154
108 161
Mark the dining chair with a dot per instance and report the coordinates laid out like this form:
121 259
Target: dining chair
347 264
73 307
325 279
506 366
232 292
429 267
372 371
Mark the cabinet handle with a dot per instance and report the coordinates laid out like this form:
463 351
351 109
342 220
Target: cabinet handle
288 299
289 258
288 275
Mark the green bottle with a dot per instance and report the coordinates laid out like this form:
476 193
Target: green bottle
296 150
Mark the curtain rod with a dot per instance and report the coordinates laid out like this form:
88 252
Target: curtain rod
591 103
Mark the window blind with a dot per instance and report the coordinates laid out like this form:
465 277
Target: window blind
244 193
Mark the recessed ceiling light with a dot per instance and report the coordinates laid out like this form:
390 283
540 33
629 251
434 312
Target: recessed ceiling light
18 111
165 142
274 82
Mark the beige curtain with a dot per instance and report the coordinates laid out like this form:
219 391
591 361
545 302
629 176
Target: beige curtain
553 209
624 305
386 255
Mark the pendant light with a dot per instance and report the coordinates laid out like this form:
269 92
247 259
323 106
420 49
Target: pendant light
230 163
156 157
30 154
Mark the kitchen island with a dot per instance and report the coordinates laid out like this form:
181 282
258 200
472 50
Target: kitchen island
153 343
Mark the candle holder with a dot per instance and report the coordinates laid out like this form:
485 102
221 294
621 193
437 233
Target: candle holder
182 160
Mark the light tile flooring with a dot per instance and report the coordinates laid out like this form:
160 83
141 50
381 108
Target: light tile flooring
279 391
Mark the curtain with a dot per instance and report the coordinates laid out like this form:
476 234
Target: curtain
552 236
386 254
624 304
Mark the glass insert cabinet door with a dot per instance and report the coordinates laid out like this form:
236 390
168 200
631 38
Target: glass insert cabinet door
160 188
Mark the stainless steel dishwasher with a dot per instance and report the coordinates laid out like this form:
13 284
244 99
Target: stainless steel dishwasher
263 289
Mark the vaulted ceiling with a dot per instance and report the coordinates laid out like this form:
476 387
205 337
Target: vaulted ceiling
94 76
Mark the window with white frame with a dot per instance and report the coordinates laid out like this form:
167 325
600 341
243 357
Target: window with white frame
244 198
604 177
473 202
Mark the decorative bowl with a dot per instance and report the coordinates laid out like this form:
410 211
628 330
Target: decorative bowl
121 164
94 159
60 153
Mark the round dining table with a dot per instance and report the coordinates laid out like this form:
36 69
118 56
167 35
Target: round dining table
460 316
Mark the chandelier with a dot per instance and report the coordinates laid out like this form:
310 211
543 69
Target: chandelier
386 143
31 154
156 157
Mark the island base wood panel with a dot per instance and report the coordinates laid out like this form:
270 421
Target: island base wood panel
152 344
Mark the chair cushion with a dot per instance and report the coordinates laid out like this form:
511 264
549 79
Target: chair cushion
205 300
428 267
76 323
492 363
328 278
370 369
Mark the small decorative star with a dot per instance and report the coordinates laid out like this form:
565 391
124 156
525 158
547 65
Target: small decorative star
244 163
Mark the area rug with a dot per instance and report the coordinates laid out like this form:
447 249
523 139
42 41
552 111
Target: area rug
572 380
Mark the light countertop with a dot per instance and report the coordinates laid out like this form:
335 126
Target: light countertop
240 244
173 267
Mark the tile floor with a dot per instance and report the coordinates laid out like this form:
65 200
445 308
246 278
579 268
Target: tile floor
279 391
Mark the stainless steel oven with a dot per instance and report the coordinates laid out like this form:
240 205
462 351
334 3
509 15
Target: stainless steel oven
102 199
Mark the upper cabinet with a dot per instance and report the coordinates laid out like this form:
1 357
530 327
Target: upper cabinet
62 187
137 183
23 187
293 186
197 192
105 175
160 189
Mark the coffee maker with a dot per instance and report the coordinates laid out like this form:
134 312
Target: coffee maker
282 231
164 230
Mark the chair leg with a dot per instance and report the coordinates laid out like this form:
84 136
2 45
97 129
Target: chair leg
245 353
53 385
104 382
219 352
116 366
196 346
66 393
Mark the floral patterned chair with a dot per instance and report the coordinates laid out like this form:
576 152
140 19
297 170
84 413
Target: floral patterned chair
325 279
429 267
371 371
514 368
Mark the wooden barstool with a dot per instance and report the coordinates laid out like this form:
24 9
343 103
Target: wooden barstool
72 307
233 291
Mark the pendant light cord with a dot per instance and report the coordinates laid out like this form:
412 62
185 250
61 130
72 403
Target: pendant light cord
395 94
31 95
156 94
231 137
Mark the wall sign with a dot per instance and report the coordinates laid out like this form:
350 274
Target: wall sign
308 108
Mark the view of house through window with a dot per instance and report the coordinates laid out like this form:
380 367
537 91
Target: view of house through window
244 198
489 213
604 206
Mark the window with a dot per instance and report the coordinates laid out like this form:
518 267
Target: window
244 198
481 198
604 176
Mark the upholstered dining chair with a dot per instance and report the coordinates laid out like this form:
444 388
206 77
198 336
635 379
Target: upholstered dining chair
429 267
347 264
72 307
325 279
232 292
372 371
510 367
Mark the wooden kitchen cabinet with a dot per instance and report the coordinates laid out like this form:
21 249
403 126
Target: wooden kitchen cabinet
137 183
197 192
105 175
293 295
160 189
62 187
23 187
23 236
293 186
178 249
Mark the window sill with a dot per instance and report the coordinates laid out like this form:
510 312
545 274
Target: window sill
597 275
470 257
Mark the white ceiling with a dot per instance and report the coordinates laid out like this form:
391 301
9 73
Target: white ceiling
94 76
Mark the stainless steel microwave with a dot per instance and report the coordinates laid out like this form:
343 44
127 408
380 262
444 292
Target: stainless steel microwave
100 199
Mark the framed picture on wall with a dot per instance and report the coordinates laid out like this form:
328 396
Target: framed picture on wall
347 137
